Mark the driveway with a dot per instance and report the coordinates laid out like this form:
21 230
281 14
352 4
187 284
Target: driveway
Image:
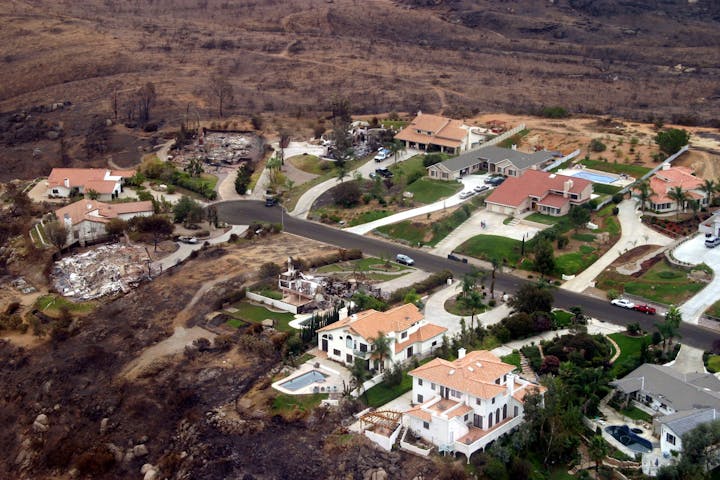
403 280
694 252
185 249
469 182
689 360
305 202
634 233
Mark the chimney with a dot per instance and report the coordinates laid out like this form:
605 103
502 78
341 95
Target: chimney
66 182
461 353
342 313
567 185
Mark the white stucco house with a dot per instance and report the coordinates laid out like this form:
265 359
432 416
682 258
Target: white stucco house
85 219
673 427
464 405
405 326
66 182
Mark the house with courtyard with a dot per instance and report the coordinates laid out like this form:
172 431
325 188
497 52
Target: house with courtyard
678 401
85 219
666 180
495 160
543 192
464 405
436 133
106 183
405 327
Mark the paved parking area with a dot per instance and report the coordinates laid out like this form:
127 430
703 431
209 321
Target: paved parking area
694 252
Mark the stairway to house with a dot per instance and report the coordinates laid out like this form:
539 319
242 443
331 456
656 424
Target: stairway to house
527 371
514 222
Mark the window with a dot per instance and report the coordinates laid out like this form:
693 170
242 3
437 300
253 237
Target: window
348 358
504 378
466 417
432 386
670 438
497 381
336 352
516 411
420 381
420 398
455 393
363 347
403 335
493 401
426 425
433 343
478 401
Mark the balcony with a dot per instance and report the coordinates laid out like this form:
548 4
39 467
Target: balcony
477 438
361 354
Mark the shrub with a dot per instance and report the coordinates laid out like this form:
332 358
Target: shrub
617 198
615 210
597 146
562 241
347 194
431 159
433 281
612 294
269 270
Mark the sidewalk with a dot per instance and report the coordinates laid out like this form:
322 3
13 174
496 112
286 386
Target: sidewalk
634 234
694 252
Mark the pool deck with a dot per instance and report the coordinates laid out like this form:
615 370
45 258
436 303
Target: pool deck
617 180
336 375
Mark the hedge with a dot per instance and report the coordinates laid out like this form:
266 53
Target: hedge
433 281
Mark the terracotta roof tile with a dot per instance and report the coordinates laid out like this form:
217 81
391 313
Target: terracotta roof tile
100 212
533 183
79 177
370 323
445 131
665 180
422 334
420 413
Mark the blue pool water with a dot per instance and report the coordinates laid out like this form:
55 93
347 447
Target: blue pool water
627 437
304 380
596 177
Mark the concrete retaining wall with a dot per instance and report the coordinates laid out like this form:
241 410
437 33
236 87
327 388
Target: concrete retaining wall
279 304
502 137
386 443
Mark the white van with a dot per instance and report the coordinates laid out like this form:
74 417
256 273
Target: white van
712 242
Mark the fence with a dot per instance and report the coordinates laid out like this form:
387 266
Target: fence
502 137
272 302
386 443
562 160
408 447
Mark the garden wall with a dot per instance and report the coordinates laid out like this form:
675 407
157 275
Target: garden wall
386 443
279 304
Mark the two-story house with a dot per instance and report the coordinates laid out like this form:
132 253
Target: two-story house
405 328
464 405
436 133
107 184
85 220
544 192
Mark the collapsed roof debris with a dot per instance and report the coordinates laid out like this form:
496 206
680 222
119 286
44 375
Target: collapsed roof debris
105 270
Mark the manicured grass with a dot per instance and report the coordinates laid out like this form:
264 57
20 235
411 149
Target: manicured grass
612 226
617 168
629 348
409 166
603 189
297 191
53 303
310 164
563 318
713 364
381 394
512 359
488 246
426 190
274 294
370 216
304 358
636 414
367 264
574 263
405 230
235 323
256 314
546 219
285 404
455 306
584 237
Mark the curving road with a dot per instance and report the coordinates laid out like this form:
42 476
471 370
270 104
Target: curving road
243 212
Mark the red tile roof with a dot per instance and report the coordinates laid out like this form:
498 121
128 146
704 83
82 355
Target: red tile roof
445 131
422 334
534 183
370 323
666 180
94 211
554 200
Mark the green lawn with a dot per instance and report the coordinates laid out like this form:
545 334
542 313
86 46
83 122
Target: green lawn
381 394
310 164
617 168
53 303
562 318
612 226
713 364
488 246
603 189
367 264
629 348
284 403
409 166
370 216
546 219
576 262
661 283
584 237
405 230
636 414
269 293
426 190
512 359
256 314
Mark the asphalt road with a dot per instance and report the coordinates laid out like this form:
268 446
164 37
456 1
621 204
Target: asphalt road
243 212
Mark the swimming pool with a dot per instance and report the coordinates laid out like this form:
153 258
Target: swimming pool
627 437
595 177
304 380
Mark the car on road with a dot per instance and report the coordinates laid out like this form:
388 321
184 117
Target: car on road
467 194
481 188
383 154
646 309
623 302
271 201
404 259
189 240
384 172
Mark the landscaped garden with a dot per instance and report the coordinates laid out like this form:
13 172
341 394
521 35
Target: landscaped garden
630 347
426 190
310 164
290 406
636 171
253 313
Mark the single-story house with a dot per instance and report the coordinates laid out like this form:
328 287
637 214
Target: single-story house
464 405
405 327
665 180
673 427
496 160
85 219
66 182
435 133
535 190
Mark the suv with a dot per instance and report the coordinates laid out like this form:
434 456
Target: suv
383 154
495 181
404 259
384 172
712 242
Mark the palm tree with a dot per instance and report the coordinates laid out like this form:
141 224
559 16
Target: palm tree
643 193
679 195
381 349
597 450
474 303
468 284
358 375
694 206
709 187
395 147
496 263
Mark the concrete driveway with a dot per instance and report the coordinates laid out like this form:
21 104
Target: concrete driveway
689 360
184 250
469 182
634 234
694 252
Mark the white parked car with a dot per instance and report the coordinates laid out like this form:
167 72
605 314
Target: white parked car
467 194
623 302
404 259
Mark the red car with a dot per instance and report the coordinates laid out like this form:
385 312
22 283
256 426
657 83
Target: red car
647 309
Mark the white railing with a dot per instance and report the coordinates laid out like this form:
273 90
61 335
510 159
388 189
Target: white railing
562 160
469 449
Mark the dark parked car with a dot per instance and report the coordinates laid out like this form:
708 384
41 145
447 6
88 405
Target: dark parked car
384 172
271 201
495 181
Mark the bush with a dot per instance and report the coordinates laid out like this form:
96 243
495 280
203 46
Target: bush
431 159
347 194
433 281
597 146
562 241
554 112
612 294
269 270
615 210
617 198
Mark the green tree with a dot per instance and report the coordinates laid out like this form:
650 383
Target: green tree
187 211
57 233
544 257
194 167
531 298
92 194
473 302
672 140
380 349
156 225
680 197
598 450
347 194
694 205
670 325
709 187
643 193
579 216
496 264
412 297
116 227
358 374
